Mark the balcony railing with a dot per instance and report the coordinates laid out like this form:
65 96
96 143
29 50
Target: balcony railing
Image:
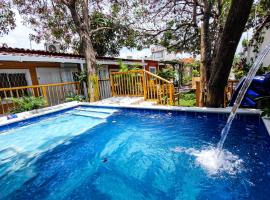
53 94
143 83
228 92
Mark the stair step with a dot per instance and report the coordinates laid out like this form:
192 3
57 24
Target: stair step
99 110
91 114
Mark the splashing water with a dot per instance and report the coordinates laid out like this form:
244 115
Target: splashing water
214 161
251 74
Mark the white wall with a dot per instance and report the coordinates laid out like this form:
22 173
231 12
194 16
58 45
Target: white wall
266 41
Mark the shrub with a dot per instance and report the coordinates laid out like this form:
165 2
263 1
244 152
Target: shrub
266 112
73 97
187 99
195 73
27 103
167 73
187 79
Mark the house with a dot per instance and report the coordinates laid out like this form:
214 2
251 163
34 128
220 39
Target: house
24 67
250 55
160 53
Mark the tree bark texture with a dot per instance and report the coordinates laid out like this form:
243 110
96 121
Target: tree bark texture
227 44
83 29
205 51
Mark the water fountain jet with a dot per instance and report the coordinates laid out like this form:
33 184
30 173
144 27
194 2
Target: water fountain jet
251 74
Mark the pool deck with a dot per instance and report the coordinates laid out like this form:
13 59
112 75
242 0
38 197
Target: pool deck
125 104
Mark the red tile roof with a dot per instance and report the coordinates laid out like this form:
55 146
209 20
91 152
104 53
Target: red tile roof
30 52
9 50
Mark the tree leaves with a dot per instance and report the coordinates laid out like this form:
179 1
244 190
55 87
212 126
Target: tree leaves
7 18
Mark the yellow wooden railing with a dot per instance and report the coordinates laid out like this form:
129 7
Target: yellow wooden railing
228 92
53 93
143 83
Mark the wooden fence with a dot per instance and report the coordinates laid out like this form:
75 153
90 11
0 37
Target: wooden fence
229 90
143 83
53 94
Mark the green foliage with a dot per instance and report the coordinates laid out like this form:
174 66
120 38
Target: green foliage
259 21
166 73
266 112
241 68
195 73
75 97
52 21
187 99
124 67
82 76
186 79
27 103
7 17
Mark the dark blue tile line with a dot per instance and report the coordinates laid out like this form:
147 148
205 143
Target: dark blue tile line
219 116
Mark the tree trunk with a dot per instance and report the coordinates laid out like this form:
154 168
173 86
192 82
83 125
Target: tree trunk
205 52
90 58
82 26
227 44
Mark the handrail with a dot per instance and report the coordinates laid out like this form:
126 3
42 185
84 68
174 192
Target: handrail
54 93
228 92
128 72
142 83
156 76
37 86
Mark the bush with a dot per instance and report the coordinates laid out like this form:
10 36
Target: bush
73 97
187 99
27 103
167 73
187 79
266 112
195 73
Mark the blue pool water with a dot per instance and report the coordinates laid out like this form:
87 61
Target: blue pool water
88 153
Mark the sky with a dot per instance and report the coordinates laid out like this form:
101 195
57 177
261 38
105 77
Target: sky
19 38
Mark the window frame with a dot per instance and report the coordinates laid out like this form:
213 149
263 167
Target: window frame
22 71
153 67
16 71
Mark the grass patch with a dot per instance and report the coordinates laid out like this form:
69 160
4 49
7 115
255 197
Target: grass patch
187 99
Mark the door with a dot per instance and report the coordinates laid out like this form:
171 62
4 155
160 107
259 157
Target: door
48 75
104 83
69 74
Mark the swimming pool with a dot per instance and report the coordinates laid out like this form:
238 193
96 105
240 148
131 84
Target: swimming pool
101 153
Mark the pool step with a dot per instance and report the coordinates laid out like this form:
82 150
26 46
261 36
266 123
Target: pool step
90 114
99 110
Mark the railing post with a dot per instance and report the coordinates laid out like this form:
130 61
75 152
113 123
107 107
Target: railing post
171 94
198 93
112 85
144 85
44 92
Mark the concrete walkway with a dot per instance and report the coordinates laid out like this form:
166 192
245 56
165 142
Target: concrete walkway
124 101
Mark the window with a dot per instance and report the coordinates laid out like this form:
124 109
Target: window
12 78
158 54
153 70
75 76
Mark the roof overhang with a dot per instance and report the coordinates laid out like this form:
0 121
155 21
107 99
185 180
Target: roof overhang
115 62
24 58
53 59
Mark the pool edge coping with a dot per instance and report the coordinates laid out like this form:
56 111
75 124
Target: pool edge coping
37 113
48 110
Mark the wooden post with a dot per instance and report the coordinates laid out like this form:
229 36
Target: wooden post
44 92
112 85
198 93
144 85
171 94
